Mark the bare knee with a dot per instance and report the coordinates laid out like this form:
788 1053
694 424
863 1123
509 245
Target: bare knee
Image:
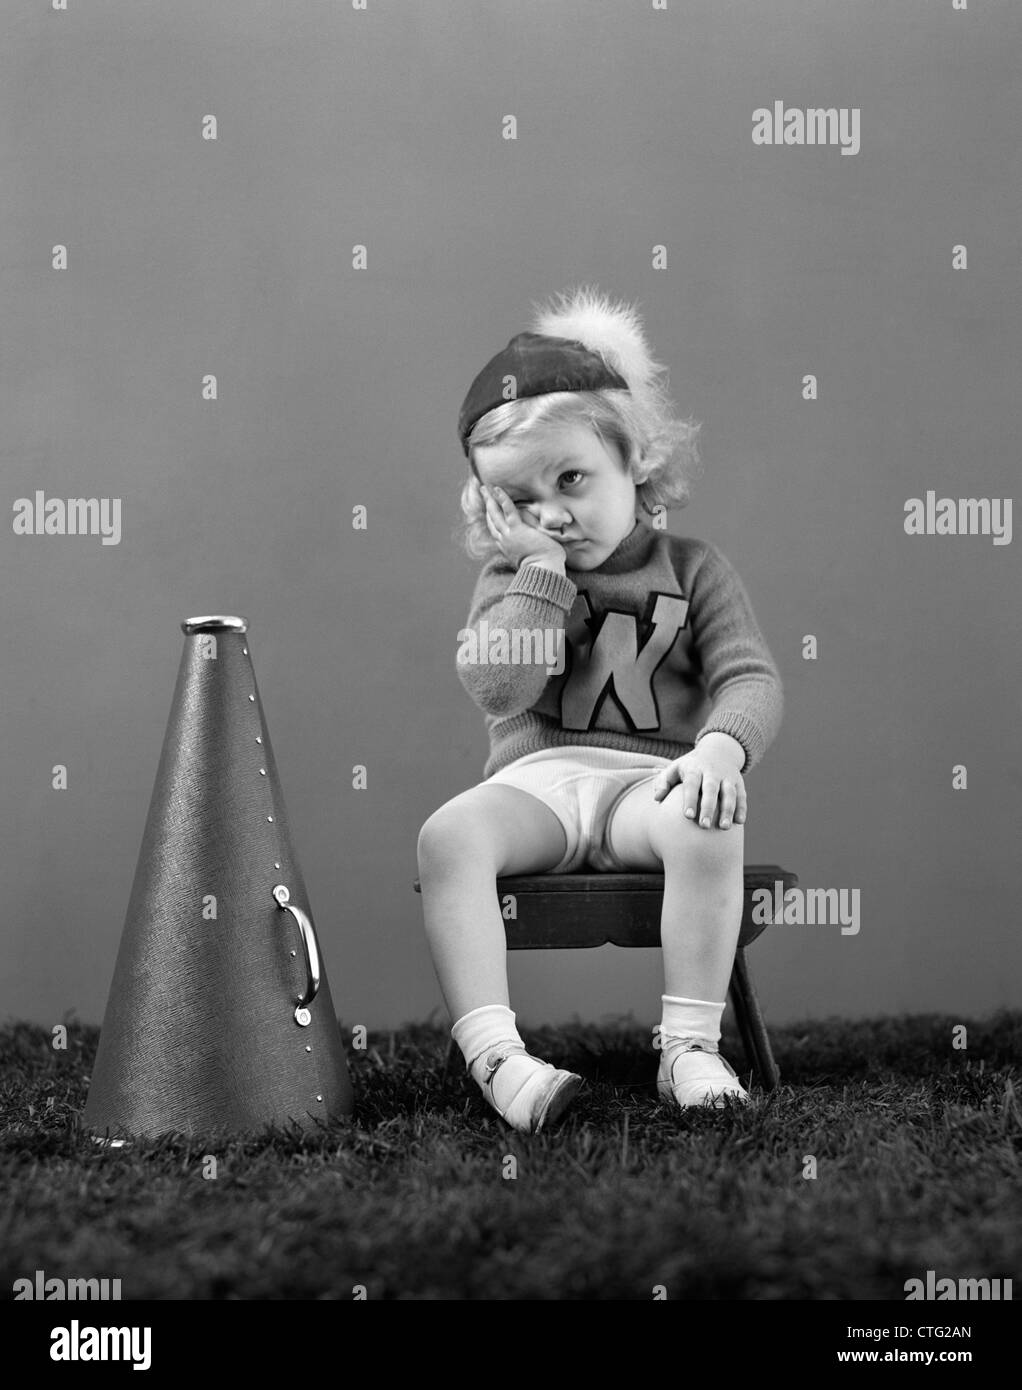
674 837
452 833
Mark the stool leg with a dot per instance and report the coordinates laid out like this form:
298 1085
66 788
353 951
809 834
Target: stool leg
742 1019
751 1024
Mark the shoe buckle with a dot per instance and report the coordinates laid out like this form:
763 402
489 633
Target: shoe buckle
495 1060
493 1064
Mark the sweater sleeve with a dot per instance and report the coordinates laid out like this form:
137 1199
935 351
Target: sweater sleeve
740 676
526 602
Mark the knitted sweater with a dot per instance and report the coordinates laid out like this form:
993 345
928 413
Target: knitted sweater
657 646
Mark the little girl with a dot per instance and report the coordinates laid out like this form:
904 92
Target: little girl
626 755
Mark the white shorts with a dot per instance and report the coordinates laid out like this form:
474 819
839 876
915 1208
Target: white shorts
582 785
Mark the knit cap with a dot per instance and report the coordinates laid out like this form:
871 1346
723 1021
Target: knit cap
581 342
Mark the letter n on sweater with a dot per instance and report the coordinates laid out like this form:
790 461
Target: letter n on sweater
611 661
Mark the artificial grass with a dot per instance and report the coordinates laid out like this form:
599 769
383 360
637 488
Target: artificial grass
917 1148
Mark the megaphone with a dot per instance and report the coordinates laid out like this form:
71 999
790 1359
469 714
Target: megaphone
219 1019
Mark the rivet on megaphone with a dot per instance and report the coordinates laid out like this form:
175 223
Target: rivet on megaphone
262 772
276 866
258 740
245 650
270 819
308 1048
251 697
294 953
319 1097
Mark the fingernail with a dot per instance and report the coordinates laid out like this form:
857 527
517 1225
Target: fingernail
689 812
724 824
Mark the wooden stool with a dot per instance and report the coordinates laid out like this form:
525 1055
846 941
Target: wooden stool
557 911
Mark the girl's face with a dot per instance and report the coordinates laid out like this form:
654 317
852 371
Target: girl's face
570 486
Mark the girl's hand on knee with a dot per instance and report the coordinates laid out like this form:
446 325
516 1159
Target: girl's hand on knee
707 779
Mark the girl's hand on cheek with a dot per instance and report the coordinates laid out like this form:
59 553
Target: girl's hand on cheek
516 537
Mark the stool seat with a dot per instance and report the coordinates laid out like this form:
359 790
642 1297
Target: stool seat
567 911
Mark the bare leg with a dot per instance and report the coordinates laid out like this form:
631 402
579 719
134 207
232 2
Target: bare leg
703 887
486 832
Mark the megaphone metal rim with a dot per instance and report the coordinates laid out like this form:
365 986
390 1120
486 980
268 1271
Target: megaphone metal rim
214 624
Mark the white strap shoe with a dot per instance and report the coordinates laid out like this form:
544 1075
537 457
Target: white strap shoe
691 1076
543 1094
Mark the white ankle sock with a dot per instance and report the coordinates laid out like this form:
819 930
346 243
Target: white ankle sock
523 1089
698 1019
478 1032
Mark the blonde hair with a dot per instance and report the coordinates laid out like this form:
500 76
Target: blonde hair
658 450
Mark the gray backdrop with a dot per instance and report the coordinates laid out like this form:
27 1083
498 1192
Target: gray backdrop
340 387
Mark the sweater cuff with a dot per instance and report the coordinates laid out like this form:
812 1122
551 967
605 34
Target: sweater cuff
536 581
740 727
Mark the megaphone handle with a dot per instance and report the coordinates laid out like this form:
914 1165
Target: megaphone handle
282 896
